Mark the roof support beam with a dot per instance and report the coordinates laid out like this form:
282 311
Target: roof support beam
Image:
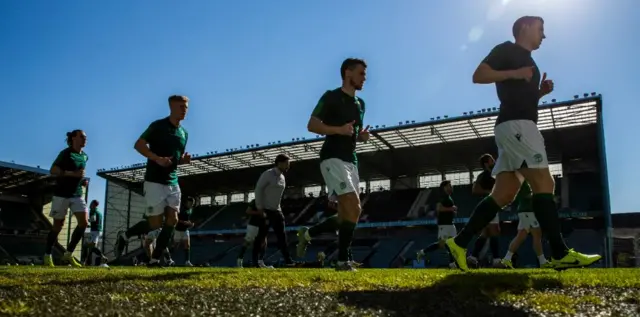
216 164
291 155
262 156
203 167
473 128
241 161
383 140
437 133
553 119
404 138
311 148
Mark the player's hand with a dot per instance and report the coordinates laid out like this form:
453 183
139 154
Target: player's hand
363 134
455 208
346 129
163 161
186 158
524 73
189 224
546 86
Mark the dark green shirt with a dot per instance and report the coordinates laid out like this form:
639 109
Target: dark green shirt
336 108
518 97
95 219
184 215
165 140
524 198
446 217
70 161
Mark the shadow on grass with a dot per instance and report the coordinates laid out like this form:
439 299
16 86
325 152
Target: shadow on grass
473 294
128 277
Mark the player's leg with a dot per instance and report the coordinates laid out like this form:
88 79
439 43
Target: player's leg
535 169
186 244
59 210
536 235
249 238
343 178
259 246
79 209
493 230
277 222
138 229
166 210
305 235
513 246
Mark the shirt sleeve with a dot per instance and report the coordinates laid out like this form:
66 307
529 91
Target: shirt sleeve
322 107
59 159
497 58
263 181
148 133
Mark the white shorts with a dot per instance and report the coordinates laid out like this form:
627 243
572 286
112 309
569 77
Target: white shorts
60 206
153 235
159 196
95 237
341 177
252 233
520 144
527 221
496 219
180 235
446 232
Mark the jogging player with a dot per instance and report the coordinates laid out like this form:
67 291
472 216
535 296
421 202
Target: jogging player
181 234
527 223
257 226
446 209
269 190
68 169
339 115
163 143
521 149
482 187
95 223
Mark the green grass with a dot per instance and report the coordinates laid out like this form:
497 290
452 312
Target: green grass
370 292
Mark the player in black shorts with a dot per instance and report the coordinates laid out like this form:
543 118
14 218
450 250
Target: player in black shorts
482 187
521 149
256 227
446 209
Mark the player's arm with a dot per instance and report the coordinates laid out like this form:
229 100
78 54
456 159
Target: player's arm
56 170
316 122
491 68
142 144
186 157
262 183
363 135
252 212
442 208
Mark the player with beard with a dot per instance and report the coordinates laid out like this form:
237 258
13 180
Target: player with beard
268 191
521 149
527 223
339 115
68 169
482 187
446 209
257 226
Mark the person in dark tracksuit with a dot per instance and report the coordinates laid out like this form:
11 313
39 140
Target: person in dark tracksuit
269 190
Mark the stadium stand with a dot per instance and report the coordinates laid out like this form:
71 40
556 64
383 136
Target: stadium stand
25 202
398 196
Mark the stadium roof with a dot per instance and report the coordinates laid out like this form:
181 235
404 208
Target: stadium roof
554 116
15 177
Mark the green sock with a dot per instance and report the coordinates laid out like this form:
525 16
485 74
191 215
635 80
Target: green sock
544 207
328 225
481 216
345 235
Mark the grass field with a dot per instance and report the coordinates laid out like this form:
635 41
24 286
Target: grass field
35 291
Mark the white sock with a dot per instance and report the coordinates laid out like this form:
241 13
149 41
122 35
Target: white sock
153 261
261 262
508 256
542 259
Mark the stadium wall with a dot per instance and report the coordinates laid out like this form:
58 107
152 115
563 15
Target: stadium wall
122 209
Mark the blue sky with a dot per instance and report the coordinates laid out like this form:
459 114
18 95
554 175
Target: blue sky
108 68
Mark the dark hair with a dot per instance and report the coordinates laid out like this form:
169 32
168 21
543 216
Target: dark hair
350 63
72 134
190 199
178 98
444 183
281 158
524 21
484 159
94 202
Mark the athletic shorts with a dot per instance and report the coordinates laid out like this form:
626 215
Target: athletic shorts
60 206
153 235
180 235
95 237
527 221
252 233
159 196
341 177
446 232
520 144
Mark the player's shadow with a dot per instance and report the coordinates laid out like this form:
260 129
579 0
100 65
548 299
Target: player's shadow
474 294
